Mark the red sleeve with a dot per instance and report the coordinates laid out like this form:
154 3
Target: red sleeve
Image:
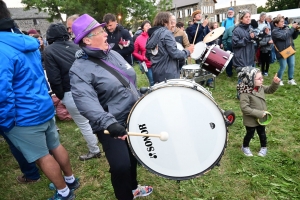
136 50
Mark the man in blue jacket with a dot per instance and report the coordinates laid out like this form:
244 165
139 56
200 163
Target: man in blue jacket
26 109
227 37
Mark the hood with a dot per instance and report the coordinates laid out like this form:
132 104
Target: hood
20 42
153 29
85 52
57 32
154 35
247 76
244 26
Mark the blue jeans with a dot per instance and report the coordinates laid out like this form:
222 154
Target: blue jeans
150 76
273 55
28 169
290 61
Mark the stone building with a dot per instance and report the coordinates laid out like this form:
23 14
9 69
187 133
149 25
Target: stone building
221 14
31 19
183 9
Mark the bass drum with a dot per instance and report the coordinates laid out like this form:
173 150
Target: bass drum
194 122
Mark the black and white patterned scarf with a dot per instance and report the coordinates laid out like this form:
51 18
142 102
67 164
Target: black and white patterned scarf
246 77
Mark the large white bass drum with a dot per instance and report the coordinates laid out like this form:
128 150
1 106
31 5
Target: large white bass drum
195 125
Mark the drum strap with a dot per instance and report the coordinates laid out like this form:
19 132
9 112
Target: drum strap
111 70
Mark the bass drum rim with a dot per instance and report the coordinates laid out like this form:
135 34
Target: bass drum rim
178 178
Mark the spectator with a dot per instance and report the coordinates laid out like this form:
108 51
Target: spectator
229 21
118 37
59 57
283 37
70 21
139 52
27 110
162 49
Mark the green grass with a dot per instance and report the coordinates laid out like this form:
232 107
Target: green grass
238 177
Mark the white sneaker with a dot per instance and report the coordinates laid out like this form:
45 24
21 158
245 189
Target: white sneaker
263 152
142 191
247 151
292 82
281 83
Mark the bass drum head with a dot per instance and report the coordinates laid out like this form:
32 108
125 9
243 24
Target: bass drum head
195 125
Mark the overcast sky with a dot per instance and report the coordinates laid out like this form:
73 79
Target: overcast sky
226 3
220 4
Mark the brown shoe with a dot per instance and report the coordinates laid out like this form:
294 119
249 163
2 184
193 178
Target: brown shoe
22 179
89 155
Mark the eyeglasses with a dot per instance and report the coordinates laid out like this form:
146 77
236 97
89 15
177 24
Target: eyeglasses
97 33
260 78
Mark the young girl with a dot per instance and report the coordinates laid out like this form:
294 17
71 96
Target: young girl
265 50
253 105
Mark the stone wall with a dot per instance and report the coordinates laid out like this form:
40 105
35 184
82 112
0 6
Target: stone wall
40 25
31 19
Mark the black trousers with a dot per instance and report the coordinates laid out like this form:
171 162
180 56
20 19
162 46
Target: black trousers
261 131
122 166
265 61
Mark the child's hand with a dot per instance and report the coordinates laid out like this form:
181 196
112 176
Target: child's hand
276 79
264 114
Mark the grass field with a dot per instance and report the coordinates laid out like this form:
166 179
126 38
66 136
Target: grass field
277 176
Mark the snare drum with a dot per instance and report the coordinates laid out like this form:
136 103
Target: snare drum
216 59
191 71
199 50
194 122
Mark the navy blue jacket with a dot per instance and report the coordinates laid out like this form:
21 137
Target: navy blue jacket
191 32
114 38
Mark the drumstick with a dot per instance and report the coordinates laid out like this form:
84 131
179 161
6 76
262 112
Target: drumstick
163 136
196 33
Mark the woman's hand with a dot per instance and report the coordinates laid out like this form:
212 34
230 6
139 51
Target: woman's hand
190 48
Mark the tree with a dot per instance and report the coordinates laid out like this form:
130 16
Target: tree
96 8
274 5
261 9
164 5
141 10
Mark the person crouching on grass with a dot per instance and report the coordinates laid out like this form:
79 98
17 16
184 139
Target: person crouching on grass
253 105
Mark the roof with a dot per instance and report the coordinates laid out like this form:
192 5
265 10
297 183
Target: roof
20 13
181 3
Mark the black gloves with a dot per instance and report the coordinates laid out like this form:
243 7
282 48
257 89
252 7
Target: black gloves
116 130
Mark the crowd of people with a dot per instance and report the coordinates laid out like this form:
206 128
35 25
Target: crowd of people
89 68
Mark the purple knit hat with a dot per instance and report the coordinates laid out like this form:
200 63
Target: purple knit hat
83 25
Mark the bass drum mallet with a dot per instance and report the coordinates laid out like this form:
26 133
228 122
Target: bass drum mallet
163 136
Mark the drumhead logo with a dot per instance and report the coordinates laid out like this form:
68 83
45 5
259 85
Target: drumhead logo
148 142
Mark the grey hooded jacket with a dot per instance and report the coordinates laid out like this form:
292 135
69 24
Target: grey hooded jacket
165 62
99 95
242 46
283 38
264 44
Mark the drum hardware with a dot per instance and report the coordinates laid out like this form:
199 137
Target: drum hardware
163 136
225 57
